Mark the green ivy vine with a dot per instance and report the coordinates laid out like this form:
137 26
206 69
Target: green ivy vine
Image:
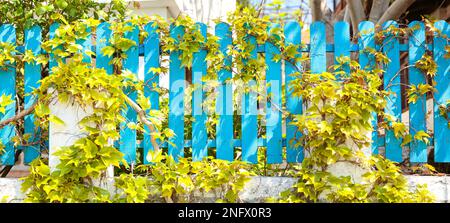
339 112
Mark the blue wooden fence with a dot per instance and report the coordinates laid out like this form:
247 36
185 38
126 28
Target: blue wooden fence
224 142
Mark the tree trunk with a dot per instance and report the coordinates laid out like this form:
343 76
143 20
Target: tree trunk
377 10
356 11
395 10
347 15
316 10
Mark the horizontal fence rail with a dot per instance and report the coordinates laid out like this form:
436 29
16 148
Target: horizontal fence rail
278 133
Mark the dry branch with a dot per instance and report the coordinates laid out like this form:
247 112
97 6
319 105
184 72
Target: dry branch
356 11
378 8
395 10
143 118
20 115
133 105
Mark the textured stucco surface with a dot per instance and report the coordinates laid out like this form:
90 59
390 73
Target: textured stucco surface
439 186
258 189
10 190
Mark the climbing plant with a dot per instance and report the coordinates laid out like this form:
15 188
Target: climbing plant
101 96
334 126
26 14
335 129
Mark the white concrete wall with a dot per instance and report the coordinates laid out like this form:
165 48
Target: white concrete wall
207 10
257 190
65 134
164 8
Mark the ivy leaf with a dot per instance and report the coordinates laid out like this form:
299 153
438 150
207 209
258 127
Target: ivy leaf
132 125
108 51
422 136
407 139
154 156
399 129
56 120
5 100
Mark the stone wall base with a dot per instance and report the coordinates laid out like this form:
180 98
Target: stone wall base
257 190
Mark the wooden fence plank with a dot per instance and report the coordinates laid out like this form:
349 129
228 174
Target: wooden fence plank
86 44
249 116
342 42
318 50
151 79
8 88
417 111
442 79
249 142
294 154
392 83
33 38
199 135
367 62
53 61
104 34
127 144
176 97
274 106
224 128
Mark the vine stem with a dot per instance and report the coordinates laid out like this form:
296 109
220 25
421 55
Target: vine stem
143 118
136 107
20 115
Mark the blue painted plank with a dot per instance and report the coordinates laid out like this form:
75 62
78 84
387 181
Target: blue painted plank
367 62
392 83
224 128
53 60
366 40
86 44
318 43
177 87
151 79
442 78
8 88
33 38
249 132
417 111
199 135
104 34
274 106
262 142
292 31
342 43
127 144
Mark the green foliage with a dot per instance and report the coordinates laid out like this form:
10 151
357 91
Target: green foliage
5 101
262 168
7 52
42 185
183 180
337 112
340 106
383 183
427 65
25 14
132 189
84 162
334 129
2 147
102 97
